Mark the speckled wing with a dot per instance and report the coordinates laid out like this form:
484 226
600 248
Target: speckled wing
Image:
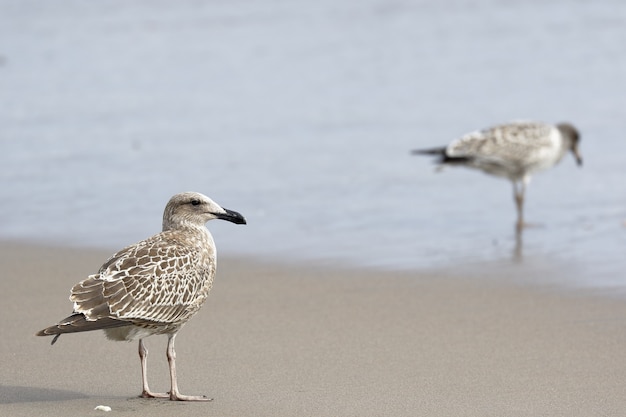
158 280
508 143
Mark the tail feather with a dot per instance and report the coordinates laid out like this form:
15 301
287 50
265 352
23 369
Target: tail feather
442 156
77 322
441 151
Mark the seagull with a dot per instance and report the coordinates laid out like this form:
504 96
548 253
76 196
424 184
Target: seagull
514 150
154 286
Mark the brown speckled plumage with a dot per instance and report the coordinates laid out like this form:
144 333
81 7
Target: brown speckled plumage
154 286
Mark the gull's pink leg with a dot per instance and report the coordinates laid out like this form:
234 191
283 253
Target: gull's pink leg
175 394
146 393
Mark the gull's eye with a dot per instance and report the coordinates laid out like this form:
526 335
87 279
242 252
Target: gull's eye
195 202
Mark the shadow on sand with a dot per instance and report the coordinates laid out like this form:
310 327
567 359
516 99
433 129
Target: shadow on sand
17 394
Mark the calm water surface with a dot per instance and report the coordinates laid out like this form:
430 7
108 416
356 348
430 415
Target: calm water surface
301 116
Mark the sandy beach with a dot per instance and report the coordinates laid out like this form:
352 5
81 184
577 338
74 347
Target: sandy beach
302 117
304 340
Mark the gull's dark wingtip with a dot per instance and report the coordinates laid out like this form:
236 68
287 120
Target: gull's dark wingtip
430 151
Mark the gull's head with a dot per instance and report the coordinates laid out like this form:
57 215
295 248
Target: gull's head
571 136
195 209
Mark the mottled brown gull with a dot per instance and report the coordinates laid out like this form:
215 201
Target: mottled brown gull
514 151
154 286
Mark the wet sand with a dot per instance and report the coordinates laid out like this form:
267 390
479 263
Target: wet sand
303 340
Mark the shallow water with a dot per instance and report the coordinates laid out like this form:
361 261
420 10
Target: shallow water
301 116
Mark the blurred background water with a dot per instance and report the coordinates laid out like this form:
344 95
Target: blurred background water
301 115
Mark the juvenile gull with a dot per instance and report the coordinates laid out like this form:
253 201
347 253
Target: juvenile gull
514 151
154 286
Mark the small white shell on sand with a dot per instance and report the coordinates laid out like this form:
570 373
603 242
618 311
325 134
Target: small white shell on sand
103 408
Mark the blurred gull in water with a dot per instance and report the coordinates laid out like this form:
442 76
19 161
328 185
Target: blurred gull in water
514 151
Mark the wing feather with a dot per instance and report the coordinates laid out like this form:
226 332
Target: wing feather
504 143
156 281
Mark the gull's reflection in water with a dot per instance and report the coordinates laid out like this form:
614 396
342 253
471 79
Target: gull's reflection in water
519 244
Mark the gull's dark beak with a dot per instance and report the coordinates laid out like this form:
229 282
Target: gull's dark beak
579 159
231 216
